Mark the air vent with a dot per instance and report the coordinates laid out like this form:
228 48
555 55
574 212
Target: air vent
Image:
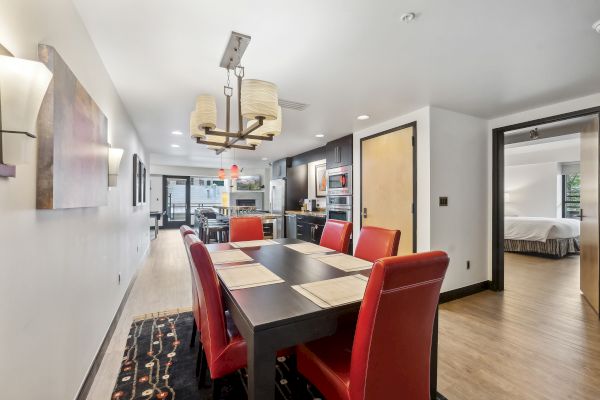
292 105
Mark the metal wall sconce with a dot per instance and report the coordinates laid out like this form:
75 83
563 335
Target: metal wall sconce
23 84
114 162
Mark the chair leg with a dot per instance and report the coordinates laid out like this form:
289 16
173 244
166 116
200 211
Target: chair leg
194 330
203 368
216 389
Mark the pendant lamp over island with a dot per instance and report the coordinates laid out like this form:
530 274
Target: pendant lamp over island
258 102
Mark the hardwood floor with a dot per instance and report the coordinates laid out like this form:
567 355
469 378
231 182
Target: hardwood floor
537 340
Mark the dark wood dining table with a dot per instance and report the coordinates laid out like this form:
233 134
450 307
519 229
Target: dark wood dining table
275 317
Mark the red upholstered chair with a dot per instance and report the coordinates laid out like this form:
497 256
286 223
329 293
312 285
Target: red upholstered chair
389 355
336 235
224 349
245 228
186 230
374 243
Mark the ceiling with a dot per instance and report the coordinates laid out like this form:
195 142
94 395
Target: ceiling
343 58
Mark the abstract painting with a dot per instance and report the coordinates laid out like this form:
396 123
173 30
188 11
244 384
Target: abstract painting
321 180
139 181
72 168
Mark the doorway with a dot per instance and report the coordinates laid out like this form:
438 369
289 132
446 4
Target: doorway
388 183
589 226
176 201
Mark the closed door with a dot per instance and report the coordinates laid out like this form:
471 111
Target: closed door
176 201
387 183
590 240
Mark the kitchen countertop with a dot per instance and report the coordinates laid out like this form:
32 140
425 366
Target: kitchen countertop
307 213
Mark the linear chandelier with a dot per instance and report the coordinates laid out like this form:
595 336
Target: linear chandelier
257 102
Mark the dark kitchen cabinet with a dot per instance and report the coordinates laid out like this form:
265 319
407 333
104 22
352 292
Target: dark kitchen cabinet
296 187
339 152
309 229
279 168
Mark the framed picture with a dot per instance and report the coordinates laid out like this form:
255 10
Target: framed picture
136 176
320 180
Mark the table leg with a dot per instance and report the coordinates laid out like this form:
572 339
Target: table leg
261 369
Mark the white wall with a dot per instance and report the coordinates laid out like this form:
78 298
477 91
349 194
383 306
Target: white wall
533 190
58 269
458 171
421 117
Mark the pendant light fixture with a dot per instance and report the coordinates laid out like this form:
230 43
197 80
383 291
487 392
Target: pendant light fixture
221 170
258 101
235 171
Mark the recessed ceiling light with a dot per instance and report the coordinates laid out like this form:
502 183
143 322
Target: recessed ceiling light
596 26
408 17
362 117
264 158
175 146
177 133
319 135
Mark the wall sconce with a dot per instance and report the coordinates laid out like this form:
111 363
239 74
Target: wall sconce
114 161
23 84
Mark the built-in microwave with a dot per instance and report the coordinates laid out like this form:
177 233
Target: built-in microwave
339 181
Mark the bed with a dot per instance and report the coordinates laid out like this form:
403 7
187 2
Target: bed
554 237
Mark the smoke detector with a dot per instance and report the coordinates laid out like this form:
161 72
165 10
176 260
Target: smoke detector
596 26
408 17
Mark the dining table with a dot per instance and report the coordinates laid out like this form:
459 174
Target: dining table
275 317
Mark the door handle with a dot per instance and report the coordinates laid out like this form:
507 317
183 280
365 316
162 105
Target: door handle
365 212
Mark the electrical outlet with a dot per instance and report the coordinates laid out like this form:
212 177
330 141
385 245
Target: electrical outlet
443 201
468 264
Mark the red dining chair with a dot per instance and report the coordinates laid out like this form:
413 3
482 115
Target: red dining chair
388 356
374 243
224 349
336 235
245 228
186 230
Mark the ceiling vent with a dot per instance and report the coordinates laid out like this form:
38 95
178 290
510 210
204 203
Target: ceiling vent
292 105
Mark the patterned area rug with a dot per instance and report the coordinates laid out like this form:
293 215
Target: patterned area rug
159 364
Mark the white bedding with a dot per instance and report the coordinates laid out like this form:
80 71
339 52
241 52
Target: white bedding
540 229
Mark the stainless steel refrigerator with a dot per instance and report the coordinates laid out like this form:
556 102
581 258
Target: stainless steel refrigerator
277 203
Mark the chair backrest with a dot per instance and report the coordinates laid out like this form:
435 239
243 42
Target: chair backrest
374 243
245 228
212 318
336 235
185 231
392 342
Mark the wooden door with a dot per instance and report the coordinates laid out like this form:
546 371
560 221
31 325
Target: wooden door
387 190
590 230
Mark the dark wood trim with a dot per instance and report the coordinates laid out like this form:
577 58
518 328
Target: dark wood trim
414 126
498 186
464 291
176 224
91 375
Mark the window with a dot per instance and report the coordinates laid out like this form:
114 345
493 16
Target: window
571 195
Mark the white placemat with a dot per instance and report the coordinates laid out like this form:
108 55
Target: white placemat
308 248
247 276
334 292
229 256
345 262
252 243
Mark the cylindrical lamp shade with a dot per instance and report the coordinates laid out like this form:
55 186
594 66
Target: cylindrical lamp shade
195 130
221 174
206 111
268 128
235 171
23 84
259 99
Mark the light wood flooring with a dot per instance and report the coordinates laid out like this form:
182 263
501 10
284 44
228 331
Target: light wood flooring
537 340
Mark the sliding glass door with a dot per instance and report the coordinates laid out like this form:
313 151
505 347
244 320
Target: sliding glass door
176 201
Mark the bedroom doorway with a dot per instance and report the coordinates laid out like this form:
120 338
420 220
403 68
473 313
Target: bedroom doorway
545 172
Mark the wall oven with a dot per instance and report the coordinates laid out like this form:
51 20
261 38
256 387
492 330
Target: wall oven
339 207
339 181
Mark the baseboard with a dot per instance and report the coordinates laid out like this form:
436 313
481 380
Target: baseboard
91 375
464 291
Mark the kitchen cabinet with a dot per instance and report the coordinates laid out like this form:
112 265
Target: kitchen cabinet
296 186
309 229
279 168
338 153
